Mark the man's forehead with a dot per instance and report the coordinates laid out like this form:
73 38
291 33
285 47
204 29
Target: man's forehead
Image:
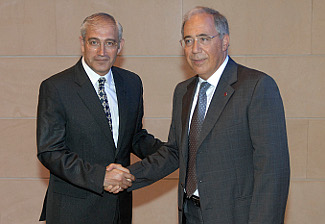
199 24
104 30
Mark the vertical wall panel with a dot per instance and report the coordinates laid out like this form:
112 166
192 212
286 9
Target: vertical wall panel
27 27
318 27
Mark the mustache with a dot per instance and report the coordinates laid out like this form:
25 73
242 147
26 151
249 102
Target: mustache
102 57
197 58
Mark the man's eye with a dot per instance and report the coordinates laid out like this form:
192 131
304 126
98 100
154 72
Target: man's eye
188 41
110 43
204 39
93 43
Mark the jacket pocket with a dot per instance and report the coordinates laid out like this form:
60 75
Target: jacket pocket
69 190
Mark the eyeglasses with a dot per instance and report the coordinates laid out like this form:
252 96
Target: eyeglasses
203 40
95 44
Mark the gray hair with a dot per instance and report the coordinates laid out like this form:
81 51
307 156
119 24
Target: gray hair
220 21
90 20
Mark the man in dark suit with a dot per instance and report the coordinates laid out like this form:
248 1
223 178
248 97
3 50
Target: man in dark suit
87 119
227 135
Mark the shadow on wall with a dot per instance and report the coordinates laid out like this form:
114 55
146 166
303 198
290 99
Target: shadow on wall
154 192
43 174
186 69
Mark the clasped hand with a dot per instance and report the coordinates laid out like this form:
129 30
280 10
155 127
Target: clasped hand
117 178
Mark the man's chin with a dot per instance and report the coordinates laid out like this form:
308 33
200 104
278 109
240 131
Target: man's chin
198 70
102 71
102 67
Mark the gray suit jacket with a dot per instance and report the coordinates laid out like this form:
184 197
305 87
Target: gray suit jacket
75 143
242 161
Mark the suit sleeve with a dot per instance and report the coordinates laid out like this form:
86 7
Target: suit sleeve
271 159
154 167
53 152
145 144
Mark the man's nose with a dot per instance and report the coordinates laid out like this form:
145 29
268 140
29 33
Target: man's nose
101 49
196 47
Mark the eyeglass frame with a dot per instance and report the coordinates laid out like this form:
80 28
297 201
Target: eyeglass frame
183 43
99 44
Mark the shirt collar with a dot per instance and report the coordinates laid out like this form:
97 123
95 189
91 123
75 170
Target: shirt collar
214 79
93 76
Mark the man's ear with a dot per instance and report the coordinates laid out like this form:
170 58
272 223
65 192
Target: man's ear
225 42
120 47
82 44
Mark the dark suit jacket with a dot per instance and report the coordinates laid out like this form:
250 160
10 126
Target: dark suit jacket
242 161
75 143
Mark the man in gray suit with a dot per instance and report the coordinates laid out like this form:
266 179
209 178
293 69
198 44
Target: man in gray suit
227 136
87 121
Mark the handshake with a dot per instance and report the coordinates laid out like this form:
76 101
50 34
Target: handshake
117 178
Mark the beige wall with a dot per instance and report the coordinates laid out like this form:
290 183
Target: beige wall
40 37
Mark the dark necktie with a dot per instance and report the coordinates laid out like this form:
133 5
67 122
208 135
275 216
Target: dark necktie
103 99
195 129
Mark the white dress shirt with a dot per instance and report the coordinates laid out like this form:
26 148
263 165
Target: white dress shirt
213 81
111 96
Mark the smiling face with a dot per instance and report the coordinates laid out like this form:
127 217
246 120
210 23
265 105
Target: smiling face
100 59
204 60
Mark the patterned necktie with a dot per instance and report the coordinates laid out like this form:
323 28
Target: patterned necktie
103 99
195 129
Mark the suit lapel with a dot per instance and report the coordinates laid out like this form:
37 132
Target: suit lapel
122 106
186 110
89 97
221 96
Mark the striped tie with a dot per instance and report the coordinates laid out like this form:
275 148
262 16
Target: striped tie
103 99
